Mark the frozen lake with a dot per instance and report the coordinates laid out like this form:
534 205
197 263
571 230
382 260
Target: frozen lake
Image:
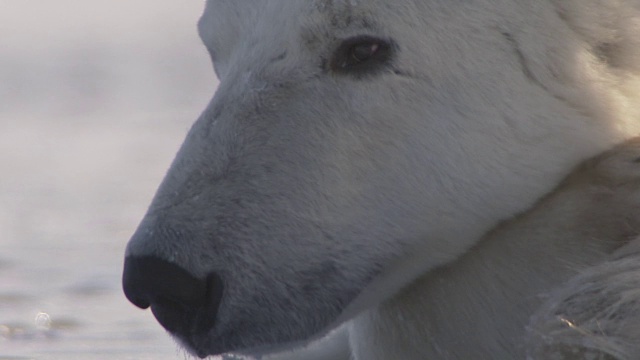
95 98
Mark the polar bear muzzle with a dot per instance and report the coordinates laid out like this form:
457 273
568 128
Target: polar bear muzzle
182 303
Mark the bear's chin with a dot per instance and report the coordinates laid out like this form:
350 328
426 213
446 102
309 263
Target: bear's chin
203 346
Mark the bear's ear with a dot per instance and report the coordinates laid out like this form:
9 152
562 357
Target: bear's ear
609 27
595 315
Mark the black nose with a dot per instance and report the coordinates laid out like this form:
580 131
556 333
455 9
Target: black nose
181 302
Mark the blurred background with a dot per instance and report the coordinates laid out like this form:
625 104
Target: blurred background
95 98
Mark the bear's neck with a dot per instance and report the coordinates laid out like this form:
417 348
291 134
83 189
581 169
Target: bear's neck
479 307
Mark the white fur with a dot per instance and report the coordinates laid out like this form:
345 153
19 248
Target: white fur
480 306
593 316
322 198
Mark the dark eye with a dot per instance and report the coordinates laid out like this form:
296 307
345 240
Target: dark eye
361 55
363 52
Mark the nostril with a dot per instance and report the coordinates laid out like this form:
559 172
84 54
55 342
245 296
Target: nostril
179 301
140 302
148 279
215 288
171 316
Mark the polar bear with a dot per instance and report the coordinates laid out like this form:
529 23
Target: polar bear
363 164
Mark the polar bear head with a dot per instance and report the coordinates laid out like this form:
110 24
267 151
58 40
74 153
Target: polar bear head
354 145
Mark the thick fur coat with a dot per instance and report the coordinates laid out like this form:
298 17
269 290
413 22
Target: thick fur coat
384 168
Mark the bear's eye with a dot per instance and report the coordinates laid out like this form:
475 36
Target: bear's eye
361 55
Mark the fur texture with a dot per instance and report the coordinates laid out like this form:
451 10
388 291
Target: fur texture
593 316
480 305
324 196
